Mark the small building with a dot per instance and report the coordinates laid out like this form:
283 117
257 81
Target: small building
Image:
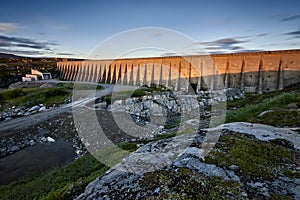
36 75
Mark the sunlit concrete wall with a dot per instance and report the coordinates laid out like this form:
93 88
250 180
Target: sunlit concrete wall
255 72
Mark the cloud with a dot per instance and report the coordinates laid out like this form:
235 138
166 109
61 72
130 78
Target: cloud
223 42
65 54
24 42
9 27
295 44
21 45
293 33
216 52
291 18
262 35
252 50
232 48
166 54
21 52
41 33
294 37
229 45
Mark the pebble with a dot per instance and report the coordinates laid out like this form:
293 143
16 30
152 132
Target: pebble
233 167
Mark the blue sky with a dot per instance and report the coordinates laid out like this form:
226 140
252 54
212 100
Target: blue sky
74 28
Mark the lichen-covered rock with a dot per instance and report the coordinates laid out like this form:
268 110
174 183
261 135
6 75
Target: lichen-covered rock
176 167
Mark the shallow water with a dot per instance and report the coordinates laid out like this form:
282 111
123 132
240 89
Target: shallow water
36 158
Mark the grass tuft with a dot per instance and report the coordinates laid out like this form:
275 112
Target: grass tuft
253 157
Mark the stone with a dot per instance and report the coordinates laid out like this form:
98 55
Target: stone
244 194
265 112
78 152
32 142
7 118
233 167
194 151
43 108
49 139
15 148
102 105
43 139
17 110
67 101
27 113
34 108
256 185
21 113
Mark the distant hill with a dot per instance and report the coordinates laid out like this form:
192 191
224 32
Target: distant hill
6 55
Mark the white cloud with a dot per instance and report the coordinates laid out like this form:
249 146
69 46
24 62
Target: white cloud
9 27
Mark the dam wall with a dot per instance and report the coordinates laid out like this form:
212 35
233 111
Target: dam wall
254 72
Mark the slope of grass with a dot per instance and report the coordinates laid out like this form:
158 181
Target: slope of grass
250 112
32 96
80 86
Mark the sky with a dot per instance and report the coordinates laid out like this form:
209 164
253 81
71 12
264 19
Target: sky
142 28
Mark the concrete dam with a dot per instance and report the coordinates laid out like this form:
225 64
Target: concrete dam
253 72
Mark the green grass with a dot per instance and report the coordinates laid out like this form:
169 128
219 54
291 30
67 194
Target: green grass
250 112
249 108
253 157
80 86
67 85
32 96
280 117
259 98
128 146
122 95
187 131
55 183
279 197
86 86
292 174
173 123
187 184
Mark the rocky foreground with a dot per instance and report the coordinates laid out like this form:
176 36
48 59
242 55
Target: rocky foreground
232 161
